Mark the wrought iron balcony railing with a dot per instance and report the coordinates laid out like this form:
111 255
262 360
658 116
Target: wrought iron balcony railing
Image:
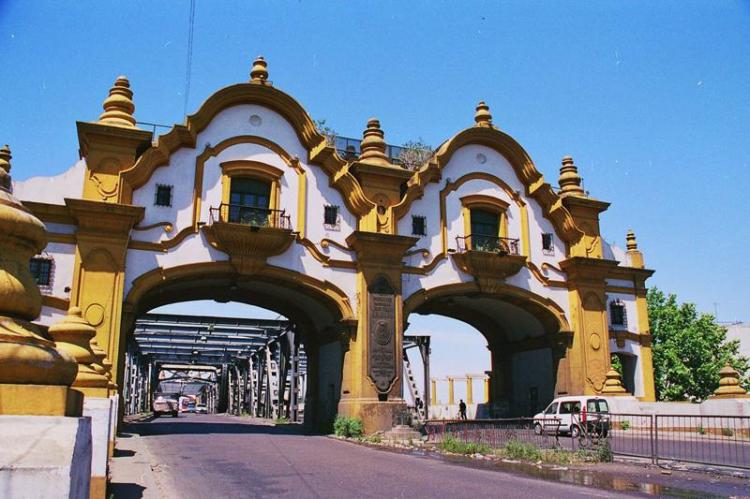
348 148
250 215
487 244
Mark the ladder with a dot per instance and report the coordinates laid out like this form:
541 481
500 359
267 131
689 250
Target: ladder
413 390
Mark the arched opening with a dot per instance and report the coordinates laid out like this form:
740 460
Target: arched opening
308 314
525 338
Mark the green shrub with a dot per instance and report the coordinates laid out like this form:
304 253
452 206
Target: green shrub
604 451
452 444
727 432
344 426
522 450
701 430
281 420
625 425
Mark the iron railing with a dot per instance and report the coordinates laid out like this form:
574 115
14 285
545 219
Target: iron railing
250 215
708 440
489 244
349 149
495 433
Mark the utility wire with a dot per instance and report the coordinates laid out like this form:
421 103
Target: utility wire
189 55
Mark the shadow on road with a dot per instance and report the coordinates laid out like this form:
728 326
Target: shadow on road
192 427
125 490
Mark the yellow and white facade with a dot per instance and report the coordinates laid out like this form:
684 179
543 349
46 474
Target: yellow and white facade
542 293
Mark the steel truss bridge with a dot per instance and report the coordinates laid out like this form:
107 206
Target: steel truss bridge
253 366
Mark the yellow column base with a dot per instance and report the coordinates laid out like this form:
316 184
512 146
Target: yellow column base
375 415
98 487
39 400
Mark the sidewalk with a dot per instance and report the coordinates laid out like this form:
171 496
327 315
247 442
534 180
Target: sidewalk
134 473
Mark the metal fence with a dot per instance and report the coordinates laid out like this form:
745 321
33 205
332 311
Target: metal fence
713 440
710 440
494 433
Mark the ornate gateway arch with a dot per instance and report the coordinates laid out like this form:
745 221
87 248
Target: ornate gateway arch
248 201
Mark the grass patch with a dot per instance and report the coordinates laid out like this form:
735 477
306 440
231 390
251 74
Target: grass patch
625 425
727 432
281 420
452 444
515 449
344 426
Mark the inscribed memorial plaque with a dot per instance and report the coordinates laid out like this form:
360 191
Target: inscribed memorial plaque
382 340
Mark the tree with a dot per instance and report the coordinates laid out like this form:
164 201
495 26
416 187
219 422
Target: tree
329 133
414 154
688 349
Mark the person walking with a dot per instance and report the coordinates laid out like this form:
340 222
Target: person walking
461 409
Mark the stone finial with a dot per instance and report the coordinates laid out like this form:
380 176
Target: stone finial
729 384
570 181
482 117
119 107
632 243
259 73
73 334
26 357
5 157
372 147
613 384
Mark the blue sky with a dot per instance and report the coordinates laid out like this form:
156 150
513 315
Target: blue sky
650 98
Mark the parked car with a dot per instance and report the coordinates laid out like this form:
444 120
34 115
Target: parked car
573 414
201 409
166 403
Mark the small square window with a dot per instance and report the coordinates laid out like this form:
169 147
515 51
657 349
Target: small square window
163 195
418 225
331 215
617 314
547 247
41 270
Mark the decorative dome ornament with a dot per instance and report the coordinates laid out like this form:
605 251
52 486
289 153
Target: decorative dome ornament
5 158
373 144
482 117
632 244
119 107
570 181
729 384
613 384
259 73
26 357
74 335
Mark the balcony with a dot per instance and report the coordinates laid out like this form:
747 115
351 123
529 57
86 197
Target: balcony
250 215
248 234
487 244
348 148
489 259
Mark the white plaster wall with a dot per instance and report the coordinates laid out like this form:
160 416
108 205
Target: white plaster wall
55 189
464 162
180 173
64 256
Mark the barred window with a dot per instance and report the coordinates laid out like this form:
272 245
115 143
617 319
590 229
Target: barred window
418 225
41 270
163 195
331 215
547 247
617 314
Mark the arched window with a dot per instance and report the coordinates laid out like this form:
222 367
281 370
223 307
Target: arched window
617 314
486 224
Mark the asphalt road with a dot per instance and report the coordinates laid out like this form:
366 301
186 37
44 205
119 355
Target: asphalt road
214 456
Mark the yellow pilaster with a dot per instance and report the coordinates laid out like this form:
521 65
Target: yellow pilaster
469 390
486 390
451 397
434 398
99 272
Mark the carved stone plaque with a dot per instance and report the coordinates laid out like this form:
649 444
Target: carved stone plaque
382 340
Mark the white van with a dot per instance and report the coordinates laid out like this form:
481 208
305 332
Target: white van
570 414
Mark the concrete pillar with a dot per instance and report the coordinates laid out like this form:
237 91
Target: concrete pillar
435 400
100 412
469 390
45 456
487 390
451 400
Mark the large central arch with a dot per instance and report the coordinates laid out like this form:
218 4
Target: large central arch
319 310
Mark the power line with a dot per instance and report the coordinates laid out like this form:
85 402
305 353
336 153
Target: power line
189 55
